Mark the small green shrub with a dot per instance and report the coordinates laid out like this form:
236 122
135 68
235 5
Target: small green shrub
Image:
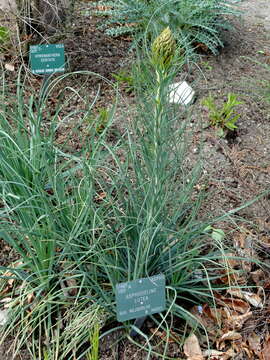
206 65
192 22
4 37
100 121
125 77
223 117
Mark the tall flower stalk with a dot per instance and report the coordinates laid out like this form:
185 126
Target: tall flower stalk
163 51
156 142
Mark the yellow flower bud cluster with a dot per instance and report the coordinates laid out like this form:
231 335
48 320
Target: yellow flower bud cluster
163 48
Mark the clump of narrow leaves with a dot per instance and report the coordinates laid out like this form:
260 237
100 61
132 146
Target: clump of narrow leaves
223 117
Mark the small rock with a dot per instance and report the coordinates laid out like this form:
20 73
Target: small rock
9 67
3 317
181 93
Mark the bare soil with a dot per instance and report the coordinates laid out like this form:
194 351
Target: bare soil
236 168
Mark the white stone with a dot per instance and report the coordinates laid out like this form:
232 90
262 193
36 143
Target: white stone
181 93
3 317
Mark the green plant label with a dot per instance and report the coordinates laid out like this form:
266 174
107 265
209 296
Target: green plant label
47 59
141 297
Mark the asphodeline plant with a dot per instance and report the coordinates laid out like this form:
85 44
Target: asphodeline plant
49 216
155 225
82 221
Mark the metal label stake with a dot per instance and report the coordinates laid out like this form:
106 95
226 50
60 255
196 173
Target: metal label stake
138 323
44 86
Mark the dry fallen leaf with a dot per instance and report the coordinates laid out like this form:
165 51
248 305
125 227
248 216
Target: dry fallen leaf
244 349
231 336
219 355
6 300
232 278
100 196
205 318
30 298
69 286
211 313
243 242
103 8
231 261
211 319
10 282
266 349
163 335
72 286
234 304
213 354
236 321
254 342
258 277
252 298
192 348
235 293
229 354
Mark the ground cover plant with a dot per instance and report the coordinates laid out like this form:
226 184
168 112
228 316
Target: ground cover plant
224 117
97 193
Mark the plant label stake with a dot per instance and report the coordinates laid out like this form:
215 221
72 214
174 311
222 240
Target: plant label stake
47 60
138 324
139 298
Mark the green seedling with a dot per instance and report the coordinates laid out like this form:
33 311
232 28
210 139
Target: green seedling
207 66
94 341
223 117
4 34
100 121
4 37
125 78
216 234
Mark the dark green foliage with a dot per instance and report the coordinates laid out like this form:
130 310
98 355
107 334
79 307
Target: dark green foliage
4 38
192 22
